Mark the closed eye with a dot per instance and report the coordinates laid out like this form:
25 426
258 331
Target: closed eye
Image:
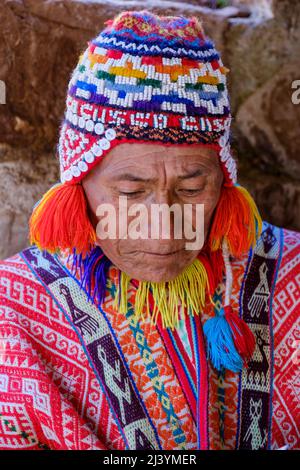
190 192
131 193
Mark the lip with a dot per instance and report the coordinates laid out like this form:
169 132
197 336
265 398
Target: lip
162 255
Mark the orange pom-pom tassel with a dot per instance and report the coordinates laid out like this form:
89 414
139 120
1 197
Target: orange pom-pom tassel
237 219
60 220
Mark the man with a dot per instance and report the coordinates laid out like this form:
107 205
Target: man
141 342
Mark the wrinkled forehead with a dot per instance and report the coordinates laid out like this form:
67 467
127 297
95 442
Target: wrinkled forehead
146 160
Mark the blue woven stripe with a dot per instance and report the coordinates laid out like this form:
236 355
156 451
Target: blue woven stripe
154 105
154 39
189 51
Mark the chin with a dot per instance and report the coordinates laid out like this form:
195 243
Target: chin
159 273
155 266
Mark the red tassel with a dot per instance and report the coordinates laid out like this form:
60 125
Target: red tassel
217 264
60 220
214 264
235 218
243 337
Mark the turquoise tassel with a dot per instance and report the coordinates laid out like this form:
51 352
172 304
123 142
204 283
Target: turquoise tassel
220 346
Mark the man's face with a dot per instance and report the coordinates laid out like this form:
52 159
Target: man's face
154 174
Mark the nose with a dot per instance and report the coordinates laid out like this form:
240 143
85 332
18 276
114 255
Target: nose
164 196
166 229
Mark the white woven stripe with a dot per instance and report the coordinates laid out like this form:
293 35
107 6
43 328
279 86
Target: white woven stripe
155 48
228 271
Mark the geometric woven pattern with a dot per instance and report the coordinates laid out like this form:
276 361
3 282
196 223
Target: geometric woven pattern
50 393
286 327
46 383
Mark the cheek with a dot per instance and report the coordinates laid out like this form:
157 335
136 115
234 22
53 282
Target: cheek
98 198
209 198
213 192
111 249
211 201
91 194
97 192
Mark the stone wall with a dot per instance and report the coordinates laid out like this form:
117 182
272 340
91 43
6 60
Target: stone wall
40 42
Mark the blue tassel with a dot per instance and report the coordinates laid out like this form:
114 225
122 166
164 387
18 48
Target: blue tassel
220 346
94 267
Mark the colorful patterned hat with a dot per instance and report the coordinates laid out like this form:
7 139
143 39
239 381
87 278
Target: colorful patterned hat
145 78
152 79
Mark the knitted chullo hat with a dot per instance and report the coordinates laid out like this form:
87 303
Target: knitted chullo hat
145 79
158 80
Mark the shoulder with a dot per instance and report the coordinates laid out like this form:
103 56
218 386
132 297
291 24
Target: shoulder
273 267
279 242
287 287
15 274
276 247
288 280
281 249
22 295
291 245
288 253
285 314
14 267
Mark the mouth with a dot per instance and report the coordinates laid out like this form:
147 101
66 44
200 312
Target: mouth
160 254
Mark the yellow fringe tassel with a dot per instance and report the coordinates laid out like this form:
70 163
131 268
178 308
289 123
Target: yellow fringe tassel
170 298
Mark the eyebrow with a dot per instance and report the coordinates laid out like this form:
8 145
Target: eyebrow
135 178
131 177
194 174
